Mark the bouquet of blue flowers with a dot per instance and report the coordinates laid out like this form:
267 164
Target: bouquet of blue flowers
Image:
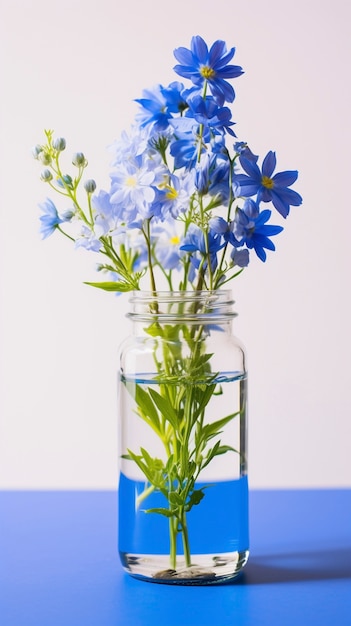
186 207
182 202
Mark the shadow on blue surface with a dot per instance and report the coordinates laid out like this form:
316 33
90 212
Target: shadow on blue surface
297 567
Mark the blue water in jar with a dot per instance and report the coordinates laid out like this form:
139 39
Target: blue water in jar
219 524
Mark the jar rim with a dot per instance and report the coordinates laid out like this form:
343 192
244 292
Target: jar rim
140 295
193 306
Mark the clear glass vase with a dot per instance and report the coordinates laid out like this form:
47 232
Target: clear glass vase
183 491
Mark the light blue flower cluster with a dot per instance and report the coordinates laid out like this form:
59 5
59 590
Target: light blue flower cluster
185 195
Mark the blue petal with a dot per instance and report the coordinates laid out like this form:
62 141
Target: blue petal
245 188
218 54
218 225
271 230
289 195
251 169
184 56
199 49
282 207
269 163
231 71
285 179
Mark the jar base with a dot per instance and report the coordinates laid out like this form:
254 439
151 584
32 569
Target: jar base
206 569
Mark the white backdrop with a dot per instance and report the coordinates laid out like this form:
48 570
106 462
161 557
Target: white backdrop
75 66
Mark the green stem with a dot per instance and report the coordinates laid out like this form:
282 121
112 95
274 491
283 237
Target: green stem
65 234
148 491
173 523
149 255
185 540
230 203
72 193
147 235
90 208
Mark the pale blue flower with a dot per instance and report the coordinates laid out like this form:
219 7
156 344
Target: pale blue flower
130 146
106 214
133 189
88 240
173 195
167 246
50 218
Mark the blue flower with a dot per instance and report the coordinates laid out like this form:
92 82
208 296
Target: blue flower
50 218
202 176
241 257
243 150
267 187
219 184
185 148
207 112
88 240
173 196
133 189
220 226
167 242
201 65
195 243
154 109
251 229
174 96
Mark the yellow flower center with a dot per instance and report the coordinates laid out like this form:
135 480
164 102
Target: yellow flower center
267 182
207 72
131 181
171 194
174 240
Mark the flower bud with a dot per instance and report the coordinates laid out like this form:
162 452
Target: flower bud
79 160
46 176
36 150
67 215
65 181
90 185
45 158
59 144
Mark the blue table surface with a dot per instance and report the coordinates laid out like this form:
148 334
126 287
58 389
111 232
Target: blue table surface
59 565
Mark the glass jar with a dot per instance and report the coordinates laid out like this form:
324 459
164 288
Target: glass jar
183 491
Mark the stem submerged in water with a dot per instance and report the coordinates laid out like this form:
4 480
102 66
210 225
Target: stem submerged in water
185 538
174 525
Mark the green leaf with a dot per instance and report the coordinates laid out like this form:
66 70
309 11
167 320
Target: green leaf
210 455
205 397
224 449
155 464
147 407
175 498
195 498
161 511
216 451
112 286
169 464
165 408
212 429
154 330
144 468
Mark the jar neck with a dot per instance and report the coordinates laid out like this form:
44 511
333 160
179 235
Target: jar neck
172 307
